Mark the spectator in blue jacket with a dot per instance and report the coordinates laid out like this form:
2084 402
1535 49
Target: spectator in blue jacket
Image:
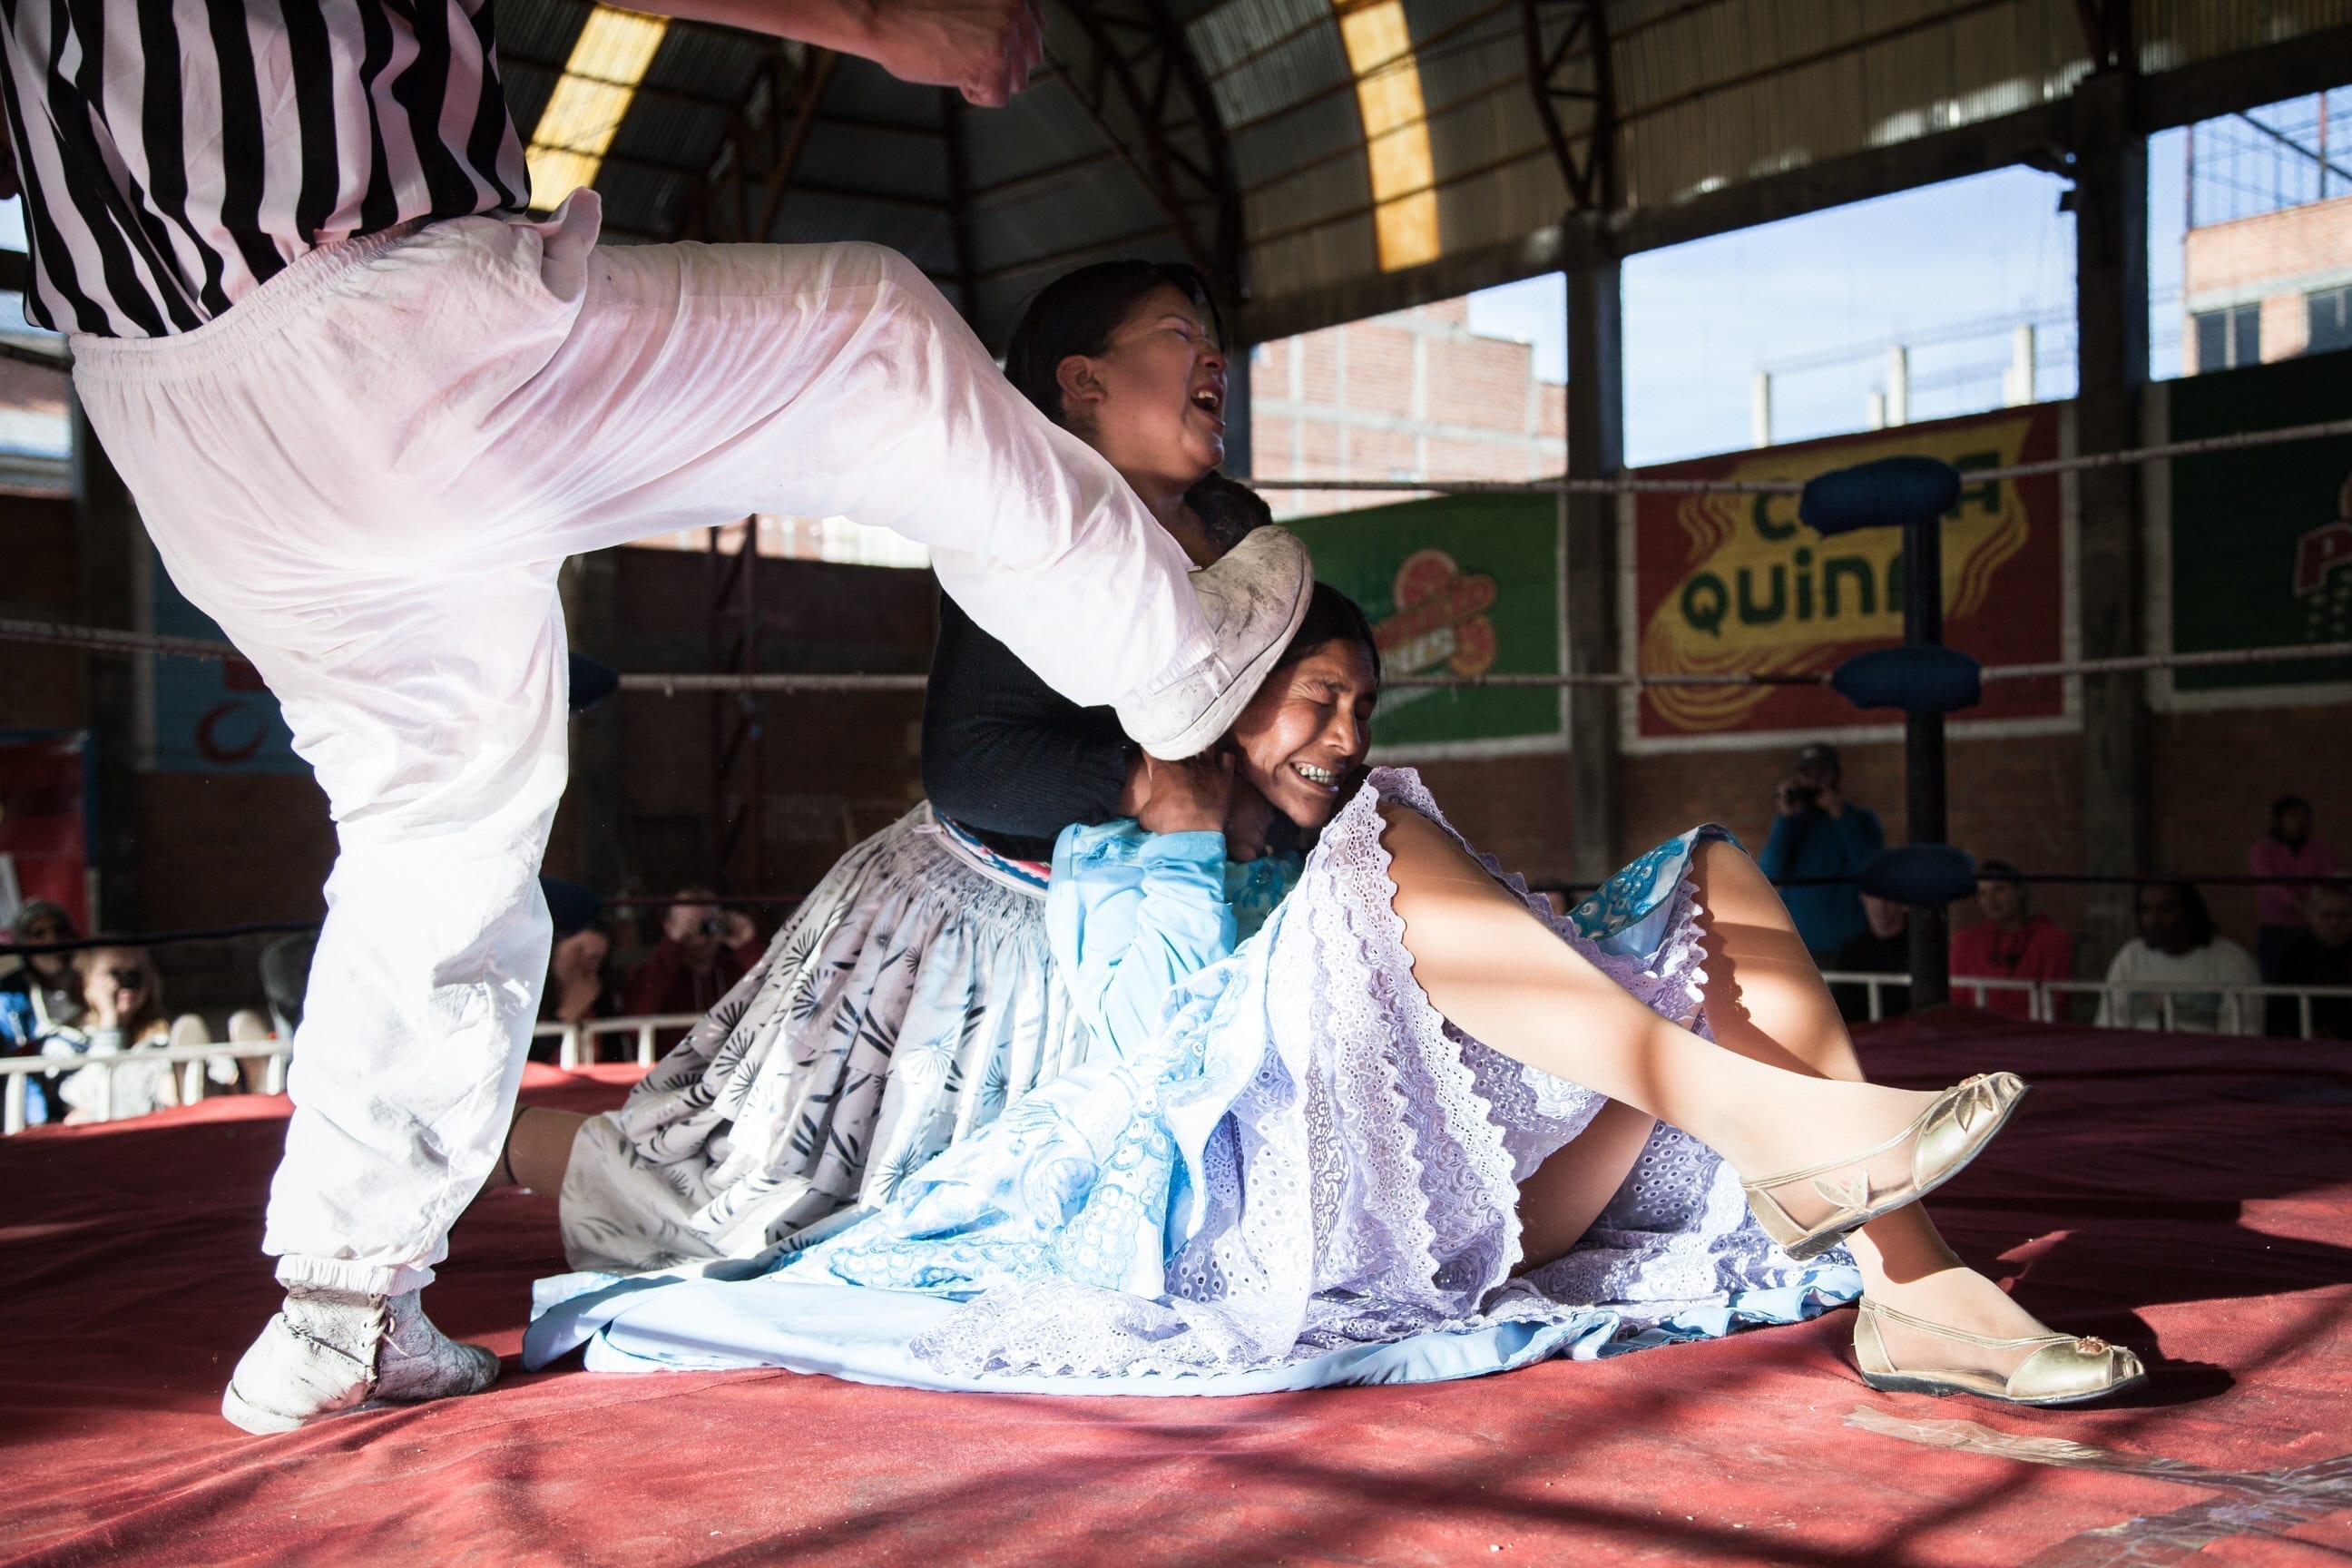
40 995
1820 832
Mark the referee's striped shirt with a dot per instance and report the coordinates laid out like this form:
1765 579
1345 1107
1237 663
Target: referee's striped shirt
175 155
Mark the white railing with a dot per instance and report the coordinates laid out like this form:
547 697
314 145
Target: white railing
1875 985
18 1068
645 1028
2251 1014
2046 996
15 1070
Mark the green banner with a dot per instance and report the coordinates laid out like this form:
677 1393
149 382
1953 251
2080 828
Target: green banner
1460 585
2262 539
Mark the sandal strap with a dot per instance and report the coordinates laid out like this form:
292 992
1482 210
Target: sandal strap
1983 1342
1855 1157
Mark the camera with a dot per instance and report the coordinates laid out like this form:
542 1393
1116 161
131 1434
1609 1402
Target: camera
1798 795
129 979
713 925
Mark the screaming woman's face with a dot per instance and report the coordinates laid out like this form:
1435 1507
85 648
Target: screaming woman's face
1153 402
1304 734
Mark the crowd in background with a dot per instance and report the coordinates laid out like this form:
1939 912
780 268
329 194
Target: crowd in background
65 1008
1821 840
108 1001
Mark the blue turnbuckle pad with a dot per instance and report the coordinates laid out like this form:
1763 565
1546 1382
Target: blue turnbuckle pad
1885 494
593 680
571 906
1919 874
1918 677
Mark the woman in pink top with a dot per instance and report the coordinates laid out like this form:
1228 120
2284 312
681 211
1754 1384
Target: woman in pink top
2008 943
2290 850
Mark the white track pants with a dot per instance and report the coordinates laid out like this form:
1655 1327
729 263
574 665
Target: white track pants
369 473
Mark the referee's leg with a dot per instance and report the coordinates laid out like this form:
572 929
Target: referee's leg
301 467
440 735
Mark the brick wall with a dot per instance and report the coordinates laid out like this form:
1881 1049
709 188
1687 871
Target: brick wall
40 688
2249 252
835 767
1414 394
2216 775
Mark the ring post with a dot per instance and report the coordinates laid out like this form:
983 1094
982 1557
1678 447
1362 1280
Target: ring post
1923 757
1912 493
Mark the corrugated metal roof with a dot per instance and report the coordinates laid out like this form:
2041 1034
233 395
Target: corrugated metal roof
1709 94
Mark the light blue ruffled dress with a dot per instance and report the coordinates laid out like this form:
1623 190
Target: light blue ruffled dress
1280 1168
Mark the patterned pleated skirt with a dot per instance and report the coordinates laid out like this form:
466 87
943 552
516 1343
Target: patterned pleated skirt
908 1002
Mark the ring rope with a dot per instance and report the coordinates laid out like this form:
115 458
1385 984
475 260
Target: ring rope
786 900
1560 484
105 640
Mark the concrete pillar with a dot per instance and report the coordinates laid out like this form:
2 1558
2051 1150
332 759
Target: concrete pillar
1239 452
2017 382
106 523
2111 316
1760 411
1596 449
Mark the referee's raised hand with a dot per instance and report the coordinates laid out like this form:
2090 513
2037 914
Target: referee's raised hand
983 48
986 48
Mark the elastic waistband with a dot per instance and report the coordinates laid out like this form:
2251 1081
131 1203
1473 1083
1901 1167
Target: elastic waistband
1027 876
251 319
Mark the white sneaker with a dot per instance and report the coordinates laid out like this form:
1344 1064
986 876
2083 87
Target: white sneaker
328 1352
1253 600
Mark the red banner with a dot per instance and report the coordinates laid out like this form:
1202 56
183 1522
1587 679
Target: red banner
1734 583
43 830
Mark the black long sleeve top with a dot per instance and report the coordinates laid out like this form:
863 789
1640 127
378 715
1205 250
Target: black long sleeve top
1005 754
1014 761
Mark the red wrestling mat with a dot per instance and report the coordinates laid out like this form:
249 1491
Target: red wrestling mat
2190 1196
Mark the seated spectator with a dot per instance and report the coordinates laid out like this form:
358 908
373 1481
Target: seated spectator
2008 943
703 951
1883 947
123 1011
2321 954
2176 943
38 996
2287 850
578 986
285 978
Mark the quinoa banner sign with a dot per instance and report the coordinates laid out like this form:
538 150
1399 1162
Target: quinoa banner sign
1456 585
1734 583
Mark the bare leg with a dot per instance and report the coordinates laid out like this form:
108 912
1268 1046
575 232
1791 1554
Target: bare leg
1504 976
1766 1001
538 1149
1561 1197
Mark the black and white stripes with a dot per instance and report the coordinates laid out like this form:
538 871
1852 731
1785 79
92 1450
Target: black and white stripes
177 154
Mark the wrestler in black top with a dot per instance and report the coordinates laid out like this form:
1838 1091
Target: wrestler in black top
1007 756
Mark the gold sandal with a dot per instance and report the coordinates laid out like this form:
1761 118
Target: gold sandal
1948 1133
2058 1369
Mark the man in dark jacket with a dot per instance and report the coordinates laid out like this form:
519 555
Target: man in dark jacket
1820 832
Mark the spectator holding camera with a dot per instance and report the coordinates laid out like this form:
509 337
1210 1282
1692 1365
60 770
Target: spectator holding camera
703 951
123 1012
1819 834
